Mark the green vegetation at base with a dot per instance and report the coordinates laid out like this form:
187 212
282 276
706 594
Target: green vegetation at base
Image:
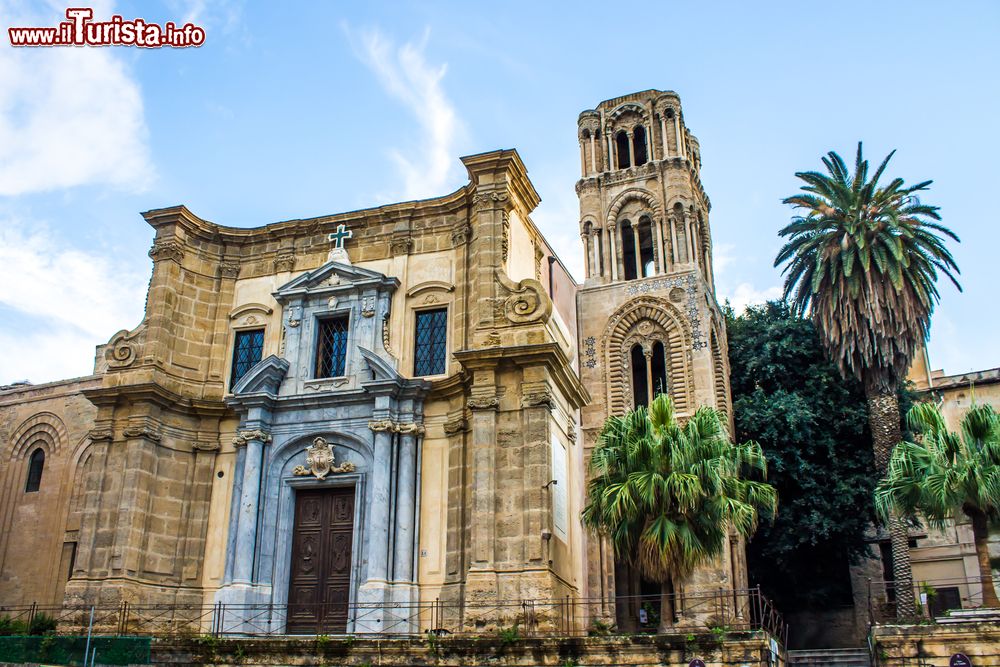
68 650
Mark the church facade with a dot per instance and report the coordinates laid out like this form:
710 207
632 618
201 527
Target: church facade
375 410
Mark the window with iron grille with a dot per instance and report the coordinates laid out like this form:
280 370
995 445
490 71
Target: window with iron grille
247 351
331 347
431 342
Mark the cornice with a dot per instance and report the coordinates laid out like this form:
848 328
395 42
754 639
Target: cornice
547 354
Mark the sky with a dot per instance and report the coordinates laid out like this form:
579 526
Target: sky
295 109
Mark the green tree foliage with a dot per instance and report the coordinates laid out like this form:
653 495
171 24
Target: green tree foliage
666 493
813 426
943 475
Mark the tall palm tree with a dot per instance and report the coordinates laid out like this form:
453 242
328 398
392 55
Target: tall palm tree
942 474
862 262
666 494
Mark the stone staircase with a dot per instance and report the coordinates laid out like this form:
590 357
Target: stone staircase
829 657
969 616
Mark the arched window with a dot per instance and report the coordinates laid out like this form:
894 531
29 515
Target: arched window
621 144
639 145
658 369
35 465
639 376
628 250
646 247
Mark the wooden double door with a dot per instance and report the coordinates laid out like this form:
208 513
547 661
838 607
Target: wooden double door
320 587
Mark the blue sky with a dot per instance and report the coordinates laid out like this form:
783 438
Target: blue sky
294 109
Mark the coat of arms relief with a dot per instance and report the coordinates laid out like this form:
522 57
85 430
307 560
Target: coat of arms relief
320 459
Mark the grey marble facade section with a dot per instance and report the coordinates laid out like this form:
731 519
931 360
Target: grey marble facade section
360 415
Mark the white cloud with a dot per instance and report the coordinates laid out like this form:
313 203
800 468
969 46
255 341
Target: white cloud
68 115
746 294
405 74
82 298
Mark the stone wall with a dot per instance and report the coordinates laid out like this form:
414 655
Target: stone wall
934 644
736 649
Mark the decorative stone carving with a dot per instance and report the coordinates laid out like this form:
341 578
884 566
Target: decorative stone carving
492 340
454 426
400 246
229 269
284 261
484 402
294 318
169 248
504 237
539 256
242 437
395 427
460 236
386 333
571 430
142 431
538 399
368 306
487 199
590 351
320 459
526 301
124 346
206 445
101 434
689 285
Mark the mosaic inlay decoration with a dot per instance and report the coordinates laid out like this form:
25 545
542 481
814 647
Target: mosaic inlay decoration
690 286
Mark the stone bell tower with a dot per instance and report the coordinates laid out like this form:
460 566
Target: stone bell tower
648 319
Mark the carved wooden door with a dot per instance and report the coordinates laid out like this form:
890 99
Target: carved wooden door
320 586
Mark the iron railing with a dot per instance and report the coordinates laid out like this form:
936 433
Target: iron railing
936 598
724 610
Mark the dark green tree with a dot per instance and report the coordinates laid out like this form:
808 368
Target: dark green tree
813 427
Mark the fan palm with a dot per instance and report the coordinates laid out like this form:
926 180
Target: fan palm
863 262
942 474
666 494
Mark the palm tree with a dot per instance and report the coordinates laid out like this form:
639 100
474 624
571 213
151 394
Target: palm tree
863 263
942 474
666 494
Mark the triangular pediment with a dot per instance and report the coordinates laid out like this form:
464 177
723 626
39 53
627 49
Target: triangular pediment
334 277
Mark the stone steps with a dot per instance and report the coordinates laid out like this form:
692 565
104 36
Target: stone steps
829 657
970 616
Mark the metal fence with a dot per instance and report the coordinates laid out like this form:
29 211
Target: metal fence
722 610
937 599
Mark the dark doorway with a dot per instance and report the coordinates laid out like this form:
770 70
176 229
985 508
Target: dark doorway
320 586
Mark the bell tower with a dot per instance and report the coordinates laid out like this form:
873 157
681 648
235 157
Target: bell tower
648 318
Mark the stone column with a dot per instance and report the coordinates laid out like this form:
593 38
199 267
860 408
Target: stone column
378 539
406 493
588 255
673 241
658 250
583 159
593 156
595 245
677 133
638 252
631 153
649 142
246 531
612 163
613 246
692 238
663 136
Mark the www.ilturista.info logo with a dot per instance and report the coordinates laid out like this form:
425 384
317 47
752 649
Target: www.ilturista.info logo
81 30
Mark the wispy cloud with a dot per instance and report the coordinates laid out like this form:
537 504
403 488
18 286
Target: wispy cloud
745 294
68 116
405 74
80 299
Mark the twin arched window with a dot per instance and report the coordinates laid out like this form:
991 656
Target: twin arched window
35 465
633 154
649 372
637 249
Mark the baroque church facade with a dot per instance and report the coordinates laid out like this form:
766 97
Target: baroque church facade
390 409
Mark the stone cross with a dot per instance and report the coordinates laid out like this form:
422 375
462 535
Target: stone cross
339 236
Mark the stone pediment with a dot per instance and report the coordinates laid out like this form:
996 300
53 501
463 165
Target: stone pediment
334 277
264 378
